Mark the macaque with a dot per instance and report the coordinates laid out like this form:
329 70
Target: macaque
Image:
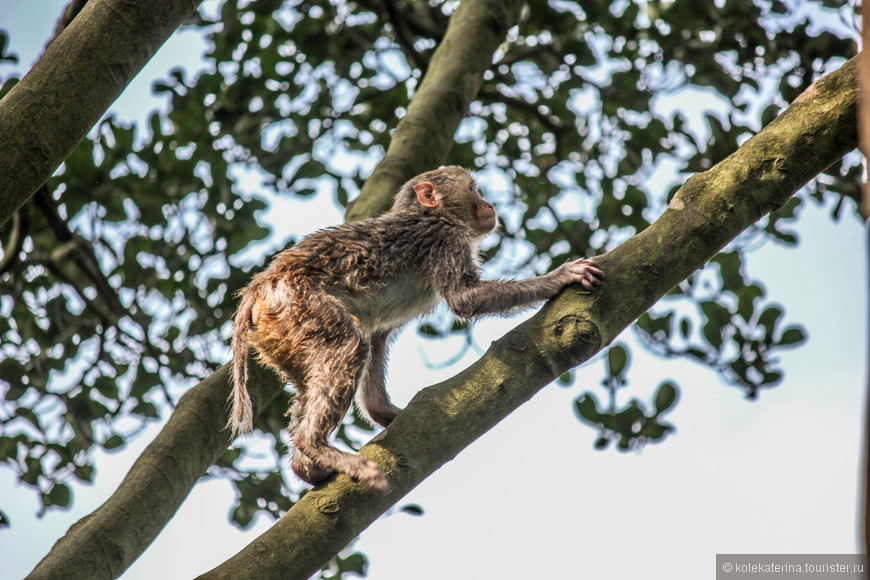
323 311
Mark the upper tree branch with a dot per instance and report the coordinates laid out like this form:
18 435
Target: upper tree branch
82 72
424 136
708 211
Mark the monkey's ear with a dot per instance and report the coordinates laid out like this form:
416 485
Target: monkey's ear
427 194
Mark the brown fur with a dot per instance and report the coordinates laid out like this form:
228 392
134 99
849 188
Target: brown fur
322 312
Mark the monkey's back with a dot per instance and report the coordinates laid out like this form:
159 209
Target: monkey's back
378 270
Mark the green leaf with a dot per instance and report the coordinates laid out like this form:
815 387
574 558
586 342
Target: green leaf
146 409
666 397
771 378
746 298
792 336
685 327
629 417
106 386
6 56
718 317
412 509
33 471
16 391
617 359
12 371
769 319
113 442
59 495
84 472
8 448
355 563
243 514
29 415
587 408
428 330
654 431
656 326
730 264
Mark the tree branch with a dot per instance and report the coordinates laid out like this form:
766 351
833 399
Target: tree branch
94 59
104 543
69 13
424 136
710 210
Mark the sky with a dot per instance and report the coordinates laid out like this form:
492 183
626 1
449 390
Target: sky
532 498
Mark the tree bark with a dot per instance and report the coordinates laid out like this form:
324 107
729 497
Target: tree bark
709 211
47 114
105 543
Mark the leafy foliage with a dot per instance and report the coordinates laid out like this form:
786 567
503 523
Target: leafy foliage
630 426
739 334
116 281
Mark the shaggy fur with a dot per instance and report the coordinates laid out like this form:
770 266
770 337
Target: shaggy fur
322 312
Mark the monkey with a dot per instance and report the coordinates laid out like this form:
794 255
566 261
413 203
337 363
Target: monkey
323 311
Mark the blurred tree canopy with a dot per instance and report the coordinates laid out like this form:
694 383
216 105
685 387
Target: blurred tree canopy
117 278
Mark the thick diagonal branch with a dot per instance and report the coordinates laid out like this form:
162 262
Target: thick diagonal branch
79 76
710 210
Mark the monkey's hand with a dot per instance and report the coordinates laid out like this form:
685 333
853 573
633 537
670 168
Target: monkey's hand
584 272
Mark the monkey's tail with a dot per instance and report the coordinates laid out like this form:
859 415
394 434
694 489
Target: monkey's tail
242 412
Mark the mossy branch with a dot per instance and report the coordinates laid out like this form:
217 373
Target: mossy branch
105 543
47 114
710 210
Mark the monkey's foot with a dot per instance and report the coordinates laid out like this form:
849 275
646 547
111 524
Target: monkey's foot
372 477
358 468
308 471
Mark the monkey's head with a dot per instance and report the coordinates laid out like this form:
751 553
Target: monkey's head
450 193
